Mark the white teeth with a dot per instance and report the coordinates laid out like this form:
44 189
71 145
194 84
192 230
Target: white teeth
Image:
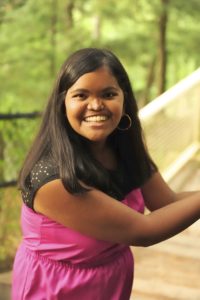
96 118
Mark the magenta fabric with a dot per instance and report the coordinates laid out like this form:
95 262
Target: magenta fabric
54 262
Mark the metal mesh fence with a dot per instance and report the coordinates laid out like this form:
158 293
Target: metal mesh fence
172 123
16 134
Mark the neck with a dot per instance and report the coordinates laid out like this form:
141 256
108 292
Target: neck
98 148
104 154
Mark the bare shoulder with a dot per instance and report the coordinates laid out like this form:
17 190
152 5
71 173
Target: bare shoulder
157 193
52 200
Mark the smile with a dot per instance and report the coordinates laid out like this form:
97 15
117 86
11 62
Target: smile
96 118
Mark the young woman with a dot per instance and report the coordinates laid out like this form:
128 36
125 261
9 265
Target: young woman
85 183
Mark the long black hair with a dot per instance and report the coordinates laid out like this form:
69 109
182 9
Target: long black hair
69 151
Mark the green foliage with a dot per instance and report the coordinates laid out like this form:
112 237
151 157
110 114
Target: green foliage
37 35
17 136
10 234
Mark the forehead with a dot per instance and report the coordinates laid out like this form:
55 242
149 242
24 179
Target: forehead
100 78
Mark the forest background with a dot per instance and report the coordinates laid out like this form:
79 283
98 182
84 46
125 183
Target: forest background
157 41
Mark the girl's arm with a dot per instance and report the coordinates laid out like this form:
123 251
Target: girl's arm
96 214
158 194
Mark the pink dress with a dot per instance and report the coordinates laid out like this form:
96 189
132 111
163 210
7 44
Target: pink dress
54 262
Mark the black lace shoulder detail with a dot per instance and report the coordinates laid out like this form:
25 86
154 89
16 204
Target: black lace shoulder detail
44 171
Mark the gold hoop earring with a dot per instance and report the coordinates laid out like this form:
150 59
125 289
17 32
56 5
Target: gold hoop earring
128 119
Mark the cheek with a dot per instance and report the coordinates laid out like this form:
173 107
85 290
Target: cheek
118 111
73 113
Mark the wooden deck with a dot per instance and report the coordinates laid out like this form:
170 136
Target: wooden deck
167 271
171 269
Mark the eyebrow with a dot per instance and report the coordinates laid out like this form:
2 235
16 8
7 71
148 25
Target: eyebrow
86 91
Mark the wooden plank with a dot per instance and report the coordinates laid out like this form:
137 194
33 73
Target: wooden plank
171 270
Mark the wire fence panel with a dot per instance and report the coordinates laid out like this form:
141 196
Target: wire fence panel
16 134
172 125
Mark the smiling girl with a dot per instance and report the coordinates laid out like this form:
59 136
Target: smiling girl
85 184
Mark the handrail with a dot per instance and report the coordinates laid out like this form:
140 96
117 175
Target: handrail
172 125
170 95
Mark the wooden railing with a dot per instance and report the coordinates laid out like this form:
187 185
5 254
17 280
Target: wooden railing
172 125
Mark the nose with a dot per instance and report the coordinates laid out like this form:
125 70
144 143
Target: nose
95 104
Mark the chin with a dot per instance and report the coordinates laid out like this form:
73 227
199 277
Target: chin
96 139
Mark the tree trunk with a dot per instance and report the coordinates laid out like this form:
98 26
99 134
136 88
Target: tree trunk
97 28
2 147
54 17
149 81
162 55
69 13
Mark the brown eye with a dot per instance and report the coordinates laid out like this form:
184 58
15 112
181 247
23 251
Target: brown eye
80 96
109 95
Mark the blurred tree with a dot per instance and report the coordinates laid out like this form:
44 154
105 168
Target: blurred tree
36 36
163 19
152 39
53 40
157 41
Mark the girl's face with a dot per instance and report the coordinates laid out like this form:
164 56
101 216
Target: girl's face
94 105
